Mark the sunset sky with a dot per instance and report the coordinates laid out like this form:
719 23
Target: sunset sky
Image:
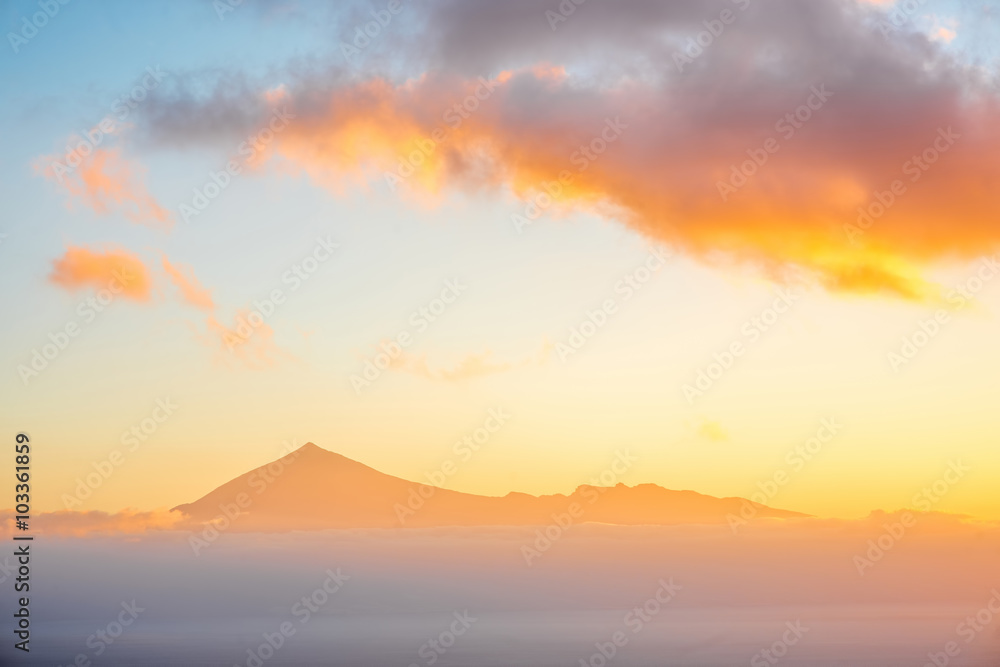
649 233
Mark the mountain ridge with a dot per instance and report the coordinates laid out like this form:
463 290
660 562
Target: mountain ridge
313 488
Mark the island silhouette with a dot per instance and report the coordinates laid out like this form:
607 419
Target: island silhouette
314 489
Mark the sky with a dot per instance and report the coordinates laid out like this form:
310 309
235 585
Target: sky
622 228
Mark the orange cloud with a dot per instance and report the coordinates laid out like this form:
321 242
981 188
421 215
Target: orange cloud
250 341
105 182
191 290
116 270
944 30
94 523
654 158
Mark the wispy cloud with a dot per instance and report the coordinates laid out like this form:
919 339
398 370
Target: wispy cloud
250 345
190 289
106 182
249 342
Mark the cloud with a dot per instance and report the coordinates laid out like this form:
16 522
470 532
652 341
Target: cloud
116 270
672 149
94 523
250 341
944 30
252 345
191 290
122 272
664 180
106 182
945 34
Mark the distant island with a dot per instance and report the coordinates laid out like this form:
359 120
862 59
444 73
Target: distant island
314 489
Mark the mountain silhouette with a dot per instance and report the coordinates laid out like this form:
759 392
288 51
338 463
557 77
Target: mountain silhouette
314 489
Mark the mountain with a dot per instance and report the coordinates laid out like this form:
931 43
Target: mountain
313 489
